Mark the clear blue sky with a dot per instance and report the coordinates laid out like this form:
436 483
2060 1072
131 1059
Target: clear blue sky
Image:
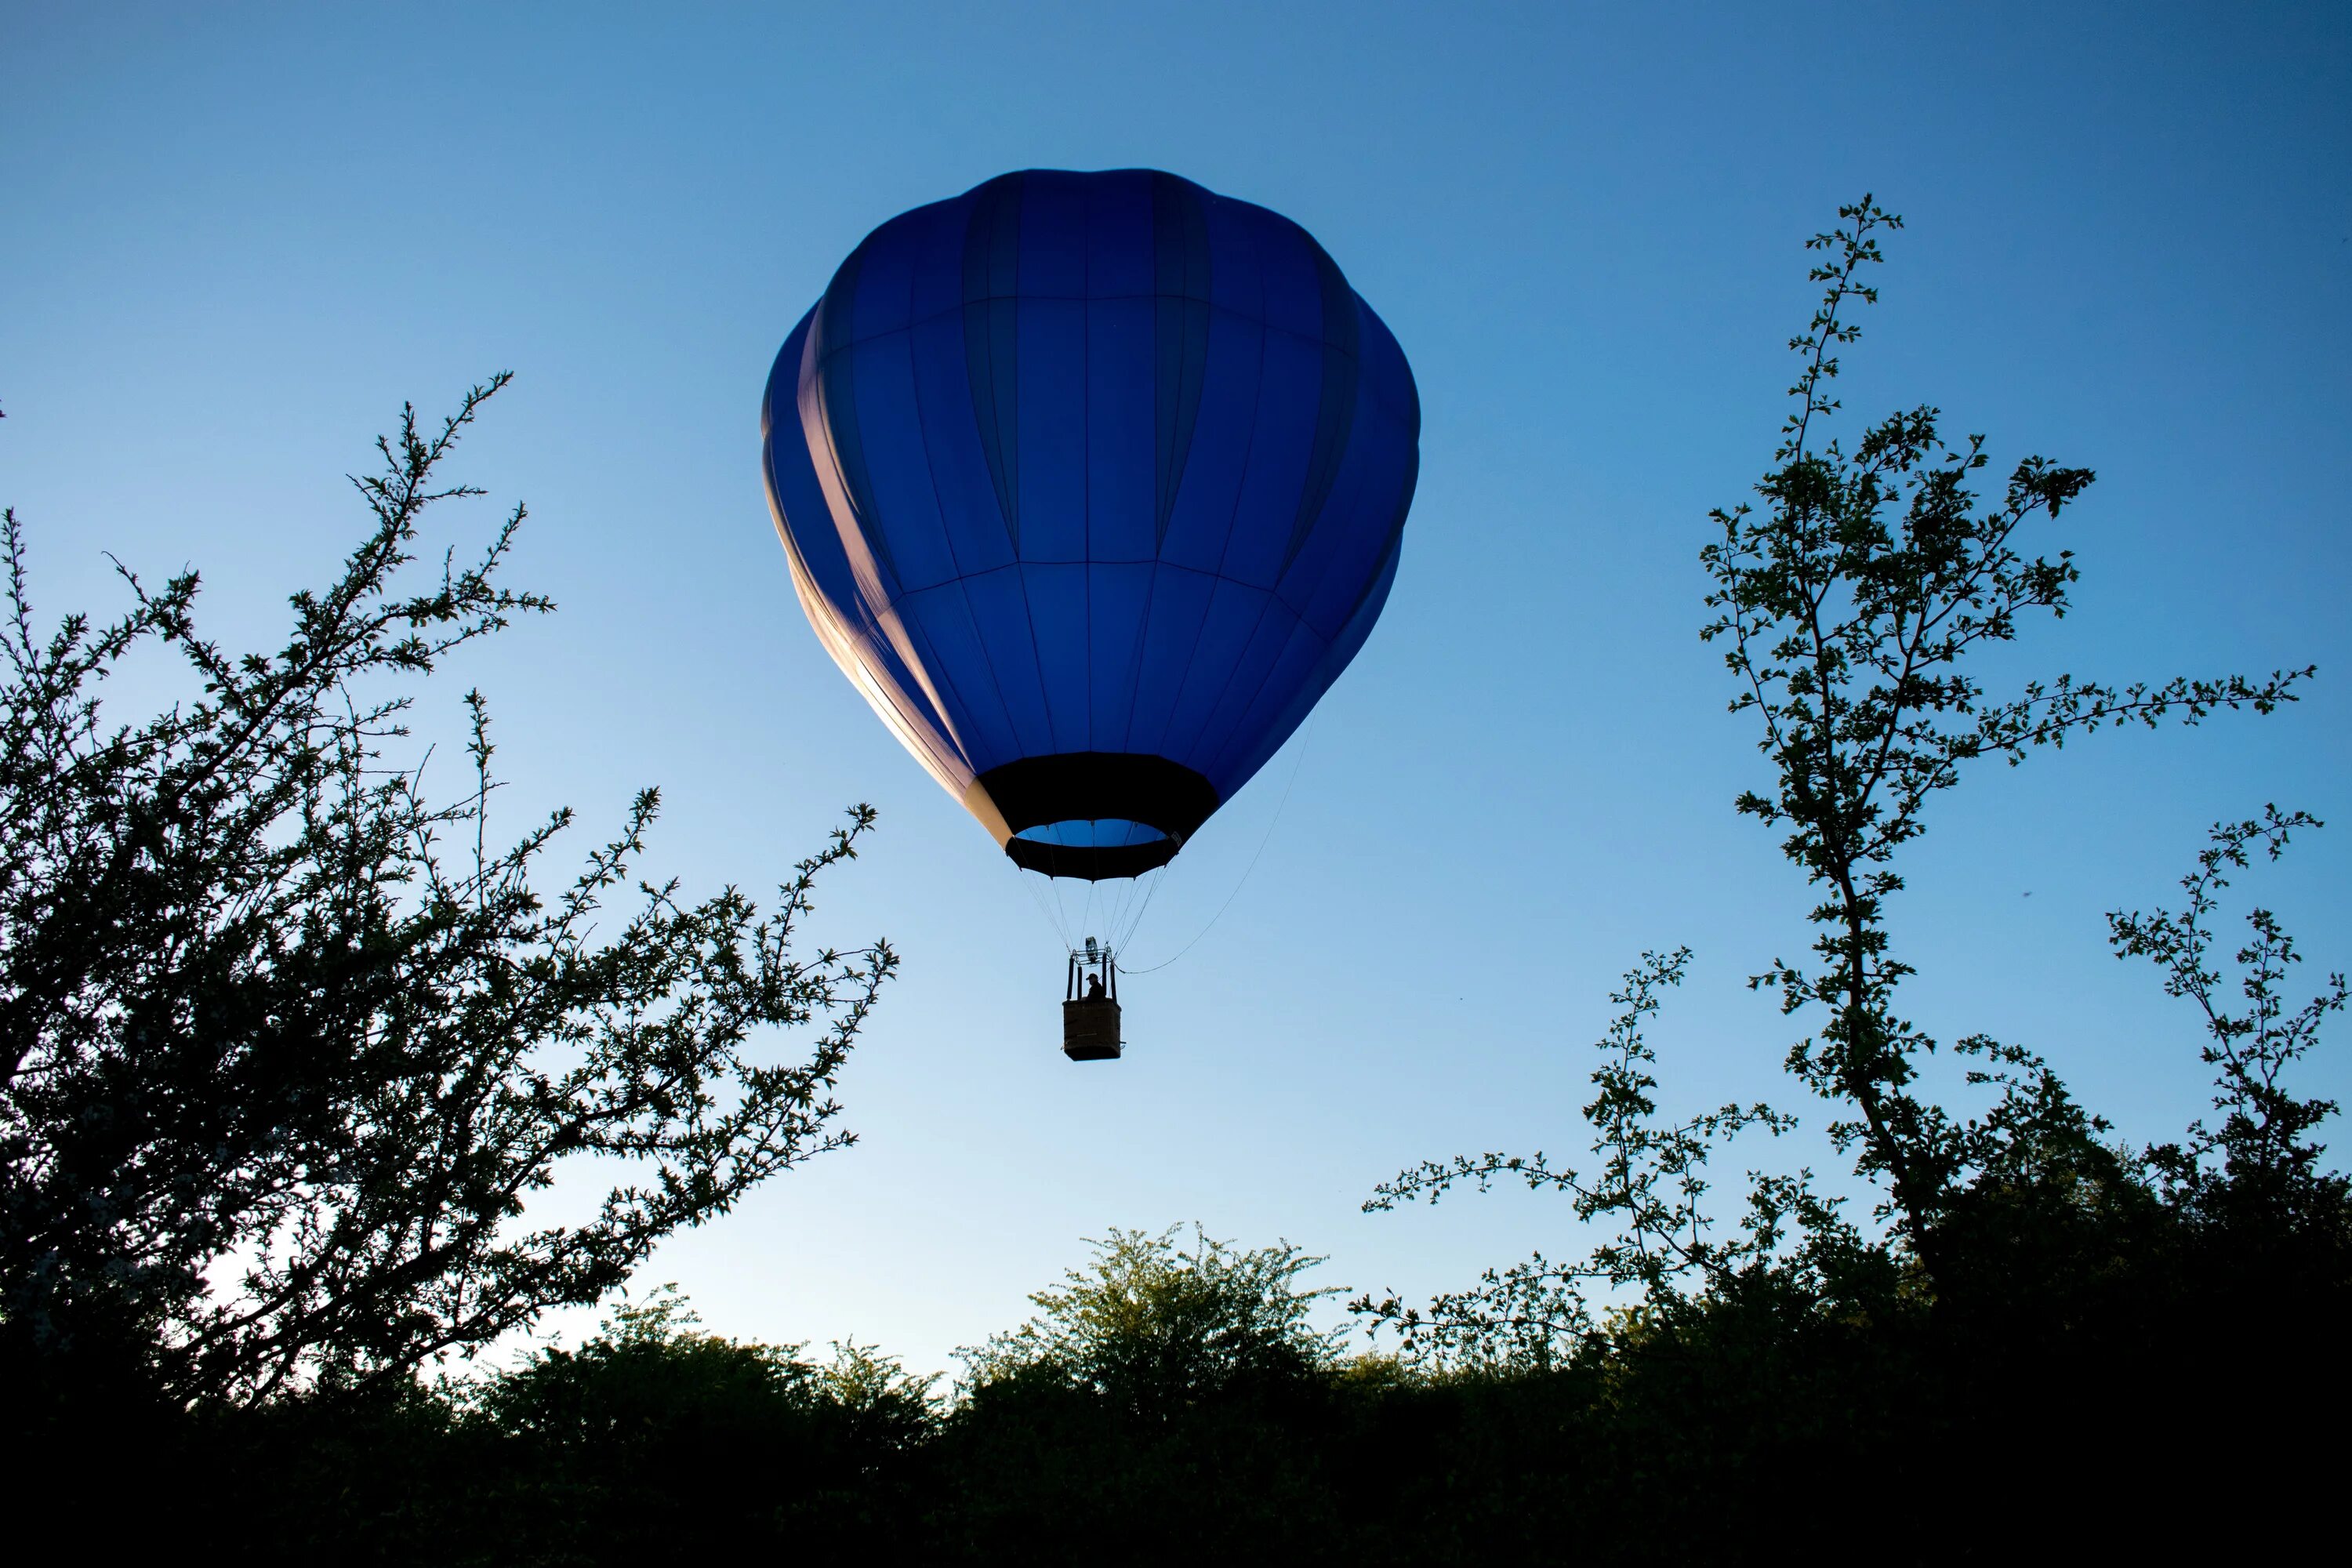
237 237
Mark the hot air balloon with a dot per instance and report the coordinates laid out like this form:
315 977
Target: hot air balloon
1092 484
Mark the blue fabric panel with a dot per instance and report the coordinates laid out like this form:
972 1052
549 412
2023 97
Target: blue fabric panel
1119 236
1292 289
1117 601
1330 553
1129 462
897 464
1053 335
792 488
1235 610
992 241
1338 656
884 299
1203 514
837 391
1171 632
1292 667
1267 638
1179 243
828 591
1388 381
1057 616
1000 609
964 489
938 243
939 622
1351 637
1120 429
989 260
1280 444
1375 474
1366 478
1053 235
1334 410
1236 274
1398 493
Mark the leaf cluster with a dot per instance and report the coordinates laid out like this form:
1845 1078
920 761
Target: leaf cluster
2261 1156
1154 1325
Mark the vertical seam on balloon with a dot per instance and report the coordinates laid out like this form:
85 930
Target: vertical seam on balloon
1225 743
1008 452
1188 404
915 629
1315 490
1087 446
1162 503
1217 707
1394 541
1335 495
1257 399
1395 534
1036 654
1249 453
1011 453
1016 575
1241 487
1021 546
982 305
1220 740
1135 684
922 428
1179 451
858 654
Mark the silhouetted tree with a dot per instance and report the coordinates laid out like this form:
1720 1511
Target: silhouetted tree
2261 1164
1851 604
1651 1180
1152 1326
655 1438
287 1046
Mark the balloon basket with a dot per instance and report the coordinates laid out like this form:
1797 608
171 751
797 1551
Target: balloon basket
1090 1006
1090 1030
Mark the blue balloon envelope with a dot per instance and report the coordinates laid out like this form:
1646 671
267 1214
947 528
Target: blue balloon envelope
1092 484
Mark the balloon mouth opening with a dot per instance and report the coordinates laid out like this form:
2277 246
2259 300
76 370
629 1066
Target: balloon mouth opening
1094 833
1091 848
1093 815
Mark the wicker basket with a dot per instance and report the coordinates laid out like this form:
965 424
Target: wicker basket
1090 1029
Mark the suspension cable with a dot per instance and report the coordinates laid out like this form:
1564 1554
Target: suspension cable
1296 765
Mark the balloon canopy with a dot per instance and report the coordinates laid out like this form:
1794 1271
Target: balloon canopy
1092 484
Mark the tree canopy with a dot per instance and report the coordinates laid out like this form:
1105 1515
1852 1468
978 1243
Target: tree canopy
289 1044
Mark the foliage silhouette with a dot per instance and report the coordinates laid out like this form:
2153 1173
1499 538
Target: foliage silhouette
1651 1180
2032 1270
1851 604
288 1045
1151 1326
2262 1153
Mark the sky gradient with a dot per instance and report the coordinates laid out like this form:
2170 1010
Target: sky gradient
238 238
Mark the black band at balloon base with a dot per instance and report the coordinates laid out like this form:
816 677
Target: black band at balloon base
1096 786
1091 865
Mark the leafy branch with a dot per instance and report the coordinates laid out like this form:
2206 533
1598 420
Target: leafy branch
1651 1178
287 1048
1849 605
